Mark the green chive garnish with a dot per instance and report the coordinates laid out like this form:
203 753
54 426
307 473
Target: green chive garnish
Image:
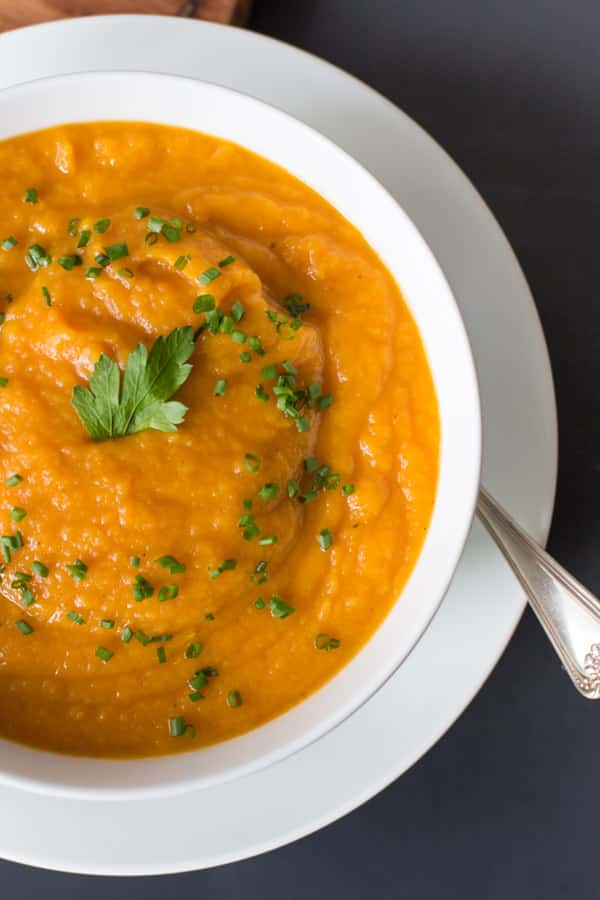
325 539
268 491
237 311
101 226
193 650
252 462
30 196
40 569
9 242
161 654
75 617
17 513
23 626
126 634
77 570
141 212
13 480
226 262
226 566
292 489
177 726
46 295
169 562
181 262
104 654
326 642
72 227
70 261
134 561
84 238
92 273
209 275
269 373
234 699
117 251
204 303
245 357
348 489
107 623
168 592
142 588
220 387
280 609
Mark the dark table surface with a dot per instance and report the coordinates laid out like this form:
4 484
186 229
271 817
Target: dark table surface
505 805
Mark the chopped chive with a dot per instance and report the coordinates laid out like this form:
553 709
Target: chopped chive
92 273
75 617
237 311
260 603
2 318
203 303
101 226
102 259
3 381
234 699
260 574
292 489
326 642
140 212
84 238
23 626
46 295
210 617
150 240
195 696
247 503
289 367
13 480
325 539
126 634
198 681
314 390
171 232
268 541
255 343
209 275
40 569
70 261
26 594
117 251
17 513
252 462
226 262
238 336
125 272
169 562
30 196
134 561
311 464
72 227
245 357
142 637
193 650
168 592
181 262
280 609
325 402
269 373
220 387
37 257
213 320
77 570
261 393
348 489
177 726
9 242
303 424
141 588
161 654
268 491
104 654
155 224
295 305
226 325
226 566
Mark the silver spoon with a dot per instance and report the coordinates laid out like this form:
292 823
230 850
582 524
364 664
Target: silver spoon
568 612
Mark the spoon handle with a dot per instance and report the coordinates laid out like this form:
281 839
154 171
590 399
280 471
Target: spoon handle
568 612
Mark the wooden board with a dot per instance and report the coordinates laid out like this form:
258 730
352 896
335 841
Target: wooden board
15 13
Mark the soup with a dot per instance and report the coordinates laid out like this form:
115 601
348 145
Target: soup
219 439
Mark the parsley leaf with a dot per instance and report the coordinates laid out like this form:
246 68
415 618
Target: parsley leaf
107 411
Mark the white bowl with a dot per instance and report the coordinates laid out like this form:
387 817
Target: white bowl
360 198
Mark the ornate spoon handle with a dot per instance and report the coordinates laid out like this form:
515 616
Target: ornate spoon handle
568 612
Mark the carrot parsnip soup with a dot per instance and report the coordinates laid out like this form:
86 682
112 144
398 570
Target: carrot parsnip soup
219 440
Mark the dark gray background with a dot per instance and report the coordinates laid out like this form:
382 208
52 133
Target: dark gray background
507 804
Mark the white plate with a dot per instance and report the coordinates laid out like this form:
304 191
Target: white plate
483 605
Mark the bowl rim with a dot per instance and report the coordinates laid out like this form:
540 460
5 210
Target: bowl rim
459 531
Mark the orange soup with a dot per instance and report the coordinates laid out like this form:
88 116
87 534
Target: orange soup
219 440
